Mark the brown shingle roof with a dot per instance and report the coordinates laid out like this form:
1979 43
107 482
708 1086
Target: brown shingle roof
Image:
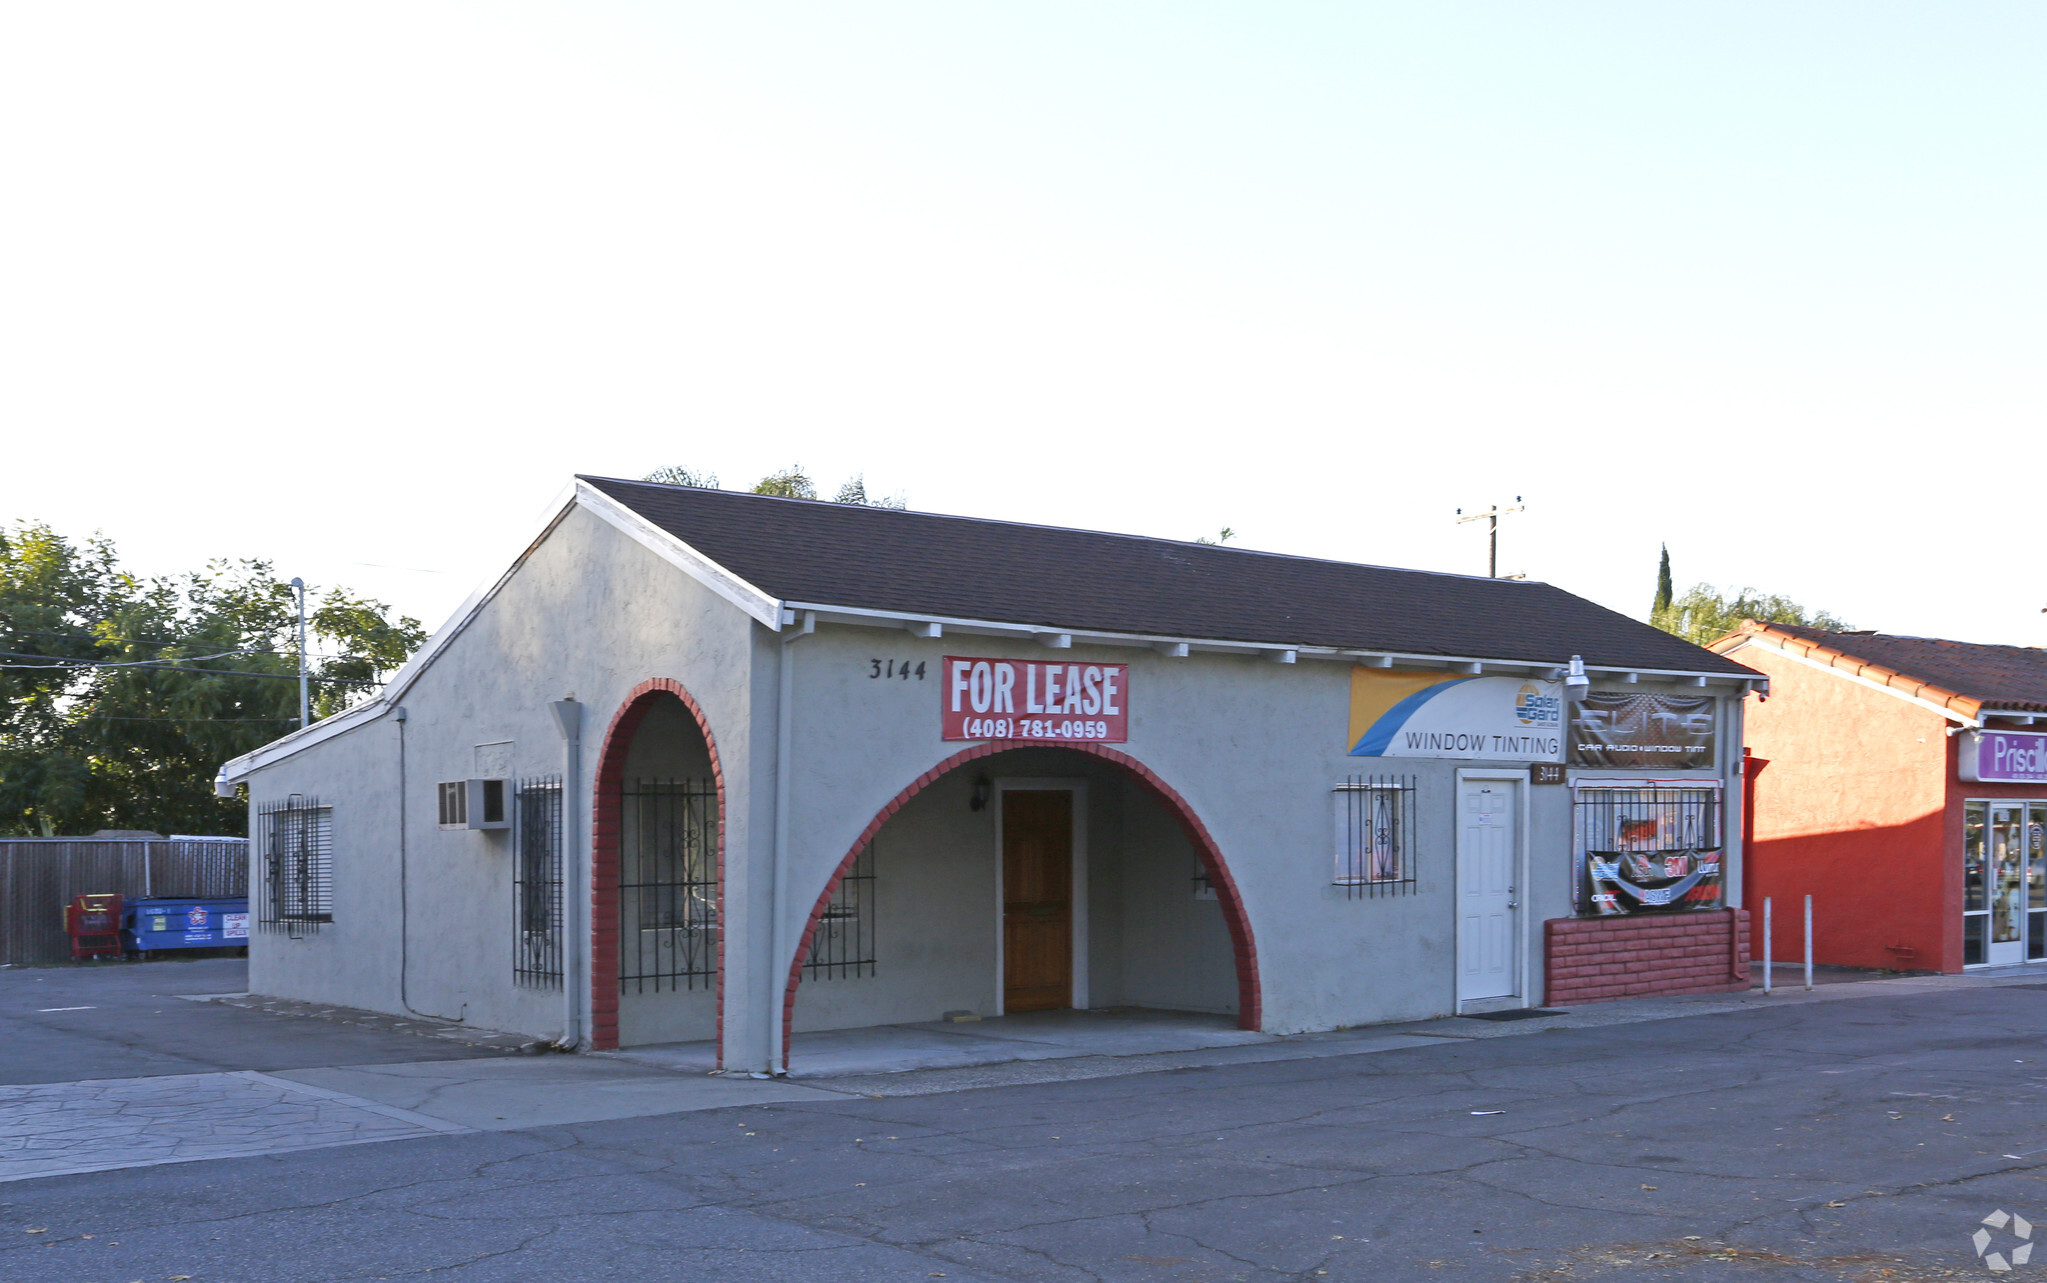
1083 580
1965 676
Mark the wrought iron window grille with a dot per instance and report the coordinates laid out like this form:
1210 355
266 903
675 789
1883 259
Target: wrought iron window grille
537 884
1640 836
668 886
1375 846
843 946
298 865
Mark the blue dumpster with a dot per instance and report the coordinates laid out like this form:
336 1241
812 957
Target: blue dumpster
178 923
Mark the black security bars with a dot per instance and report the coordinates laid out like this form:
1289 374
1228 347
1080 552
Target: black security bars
844 944
668 886
1375 846
537 884
298 865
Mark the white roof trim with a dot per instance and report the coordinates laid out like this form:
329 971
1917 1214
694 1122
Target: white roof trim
578 494
860 616
765 608
1772 644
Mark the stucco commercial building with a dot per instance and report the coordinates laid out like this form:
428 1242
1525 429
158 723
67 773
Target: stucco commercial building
1897 783
713 766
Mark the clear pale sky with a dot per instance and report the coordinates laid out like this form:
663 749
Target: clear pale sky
357 288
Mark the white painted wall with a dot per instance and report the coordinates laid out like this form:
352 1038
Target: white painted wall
1254 747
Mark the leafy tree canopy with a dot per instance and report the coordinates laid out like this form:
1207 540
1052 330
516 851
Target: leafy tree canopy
792 482
679 476
1703 614
120 696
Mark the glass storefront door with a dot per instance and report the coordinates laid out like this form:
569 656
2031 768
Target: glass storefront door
2036 881
2004 883
2008 908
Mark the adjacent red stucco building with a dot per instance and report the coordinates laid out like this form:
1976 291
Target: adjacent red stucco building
1896 781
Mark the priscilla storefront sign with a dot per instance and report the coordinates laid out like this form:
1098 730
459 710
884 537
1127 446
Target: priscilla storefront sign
2002 757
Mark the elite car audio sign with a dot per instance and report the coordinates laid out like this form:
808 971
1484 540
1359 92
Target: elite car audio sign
1660 732
1015 699
2003 757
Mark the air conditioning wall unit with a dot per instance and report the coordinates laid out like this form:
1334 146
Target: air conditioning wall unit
474 804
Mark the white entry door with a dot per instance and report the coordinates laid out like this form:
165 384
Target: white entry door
1486 811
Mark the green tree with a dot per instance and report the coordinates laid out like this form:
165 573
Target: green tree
680 476
1663 589
1223 536
792 482
1704 614
855 491
126 694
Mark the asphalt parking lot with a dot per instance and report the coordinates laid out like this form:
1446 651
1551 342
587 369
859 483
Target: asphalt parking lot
1865 1137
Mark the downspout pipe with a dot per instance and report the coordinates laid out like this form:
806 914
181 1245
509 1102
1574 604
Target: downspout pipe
568 718
783 947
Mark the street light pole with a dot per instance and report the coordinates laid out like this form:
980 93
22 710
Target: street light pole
298 586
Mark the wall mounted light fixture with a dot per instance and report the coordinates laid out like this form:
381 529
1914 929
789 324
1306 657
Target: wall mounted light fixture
982 788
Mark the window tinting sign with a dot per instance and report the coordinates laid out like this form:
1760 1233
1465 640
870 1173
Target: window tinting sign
1662 732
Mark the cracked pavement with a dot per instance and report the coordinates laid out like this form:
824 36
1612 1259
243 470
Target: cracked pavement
1860 1138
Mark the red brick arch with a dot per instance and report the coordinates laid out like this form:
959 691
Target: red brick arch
604 835
1249 1012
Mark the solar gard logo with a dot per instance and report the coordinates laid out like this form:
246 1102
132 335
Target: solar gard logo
1534 708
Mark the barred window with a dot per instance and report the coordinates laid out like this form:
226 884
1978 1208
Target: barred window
843 947
1648 848
298 859
668 886
537 884
1375 835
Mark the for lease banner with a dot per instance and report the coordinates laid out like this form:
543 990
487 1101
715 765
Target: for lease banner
1018 699
1661 732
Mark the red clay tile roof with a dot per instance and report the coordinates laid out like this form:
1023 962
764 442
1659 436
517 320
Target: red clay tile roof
967 568
1965 676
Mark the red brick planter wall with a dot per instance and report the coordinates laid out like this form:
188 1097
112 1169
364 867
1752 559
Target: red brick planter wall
1249 1012
1597 959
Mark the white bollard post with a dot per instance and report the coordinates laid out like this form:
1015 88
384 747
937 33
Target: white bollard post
1766 946
1808 944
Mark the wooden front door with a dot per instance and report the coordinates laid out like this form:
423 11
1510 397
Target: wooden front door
1037 899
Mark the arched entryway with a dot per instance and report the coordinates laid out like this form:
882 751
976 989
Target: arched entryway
657 866
1186 886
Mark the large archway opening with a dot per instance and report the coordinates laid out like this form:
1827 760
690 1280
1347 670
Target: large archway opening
657 865
1011 879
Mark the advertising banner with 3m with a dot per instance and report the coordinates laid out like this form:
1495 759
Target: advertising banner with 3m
1017 699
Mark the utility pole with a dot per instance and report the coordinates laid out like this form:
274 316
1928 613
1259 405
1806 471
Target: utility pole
1492 517
298 586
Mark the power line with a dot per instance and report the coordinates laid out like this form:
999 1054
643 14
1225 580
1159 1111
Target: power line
153 666
115 663
159 641
108 717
